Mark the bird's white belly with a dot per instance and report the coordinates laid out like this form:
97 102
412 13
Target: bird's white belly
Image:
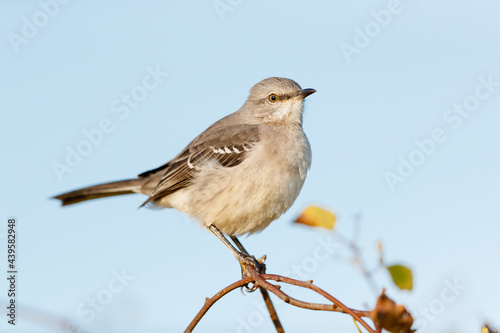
242 199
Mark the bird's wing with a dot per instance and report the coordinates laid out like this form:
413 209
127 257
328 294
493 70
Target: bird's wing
228 146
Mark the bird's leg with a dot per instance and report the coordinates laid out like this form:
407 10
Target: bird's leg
243 257
262 266
238 244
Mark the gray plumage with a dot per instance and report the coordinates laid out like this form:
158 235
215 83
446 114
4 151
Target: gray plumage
240 174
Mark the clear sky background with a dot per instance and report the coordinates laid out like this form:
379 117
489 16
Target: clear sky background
389 75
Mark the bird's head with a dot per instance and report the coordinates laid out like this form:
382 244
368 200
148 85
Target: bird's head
277 100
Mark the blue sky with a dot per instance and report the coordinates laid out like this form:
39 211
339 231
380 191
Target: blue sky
406 90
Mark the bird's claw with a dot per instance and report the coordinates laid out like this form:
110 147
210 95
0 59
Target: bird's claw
258 265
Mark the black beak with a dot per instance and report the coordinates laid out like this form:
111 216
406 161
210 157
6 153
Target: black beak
304 93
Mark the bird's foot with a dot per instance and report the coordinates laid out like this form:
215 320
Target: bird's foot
258 265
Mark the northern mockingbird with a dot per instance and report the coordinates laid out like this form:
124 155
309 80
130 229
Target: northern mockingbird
236 177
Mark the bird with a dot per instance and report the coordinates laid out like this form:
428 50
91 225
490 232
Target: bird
236 177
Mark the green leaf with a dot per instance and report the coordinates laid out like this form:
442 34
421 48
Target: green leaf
402 276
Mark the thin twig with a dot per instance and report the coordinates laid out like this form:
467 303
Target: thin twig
260 280
211 301
356 314
272 310
337 305
358 259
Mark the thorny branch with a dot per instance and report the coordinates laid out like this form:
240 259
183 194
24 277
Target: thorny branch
377 315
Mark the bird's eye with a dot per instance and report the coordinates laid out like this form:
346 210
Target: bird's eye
273 98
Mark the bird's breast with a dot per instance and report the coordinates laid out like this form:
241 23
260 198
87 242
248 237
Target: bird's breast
246 198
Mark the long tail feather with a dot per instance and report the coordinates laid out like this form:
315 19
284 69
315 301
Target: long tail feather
100 191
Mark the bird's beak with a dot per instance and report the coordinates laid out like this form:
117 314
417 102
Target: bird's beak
304 93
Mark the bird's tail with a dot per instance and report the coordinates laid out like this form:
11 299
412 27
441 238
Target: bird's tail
101 191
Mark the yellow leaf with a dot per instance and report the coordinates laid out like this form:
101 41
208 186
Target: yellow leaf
315 216
402 276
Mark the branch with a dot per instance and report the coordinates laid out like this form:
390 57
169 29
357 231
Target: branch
336 307
211 301
352 245
272 310
260 281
